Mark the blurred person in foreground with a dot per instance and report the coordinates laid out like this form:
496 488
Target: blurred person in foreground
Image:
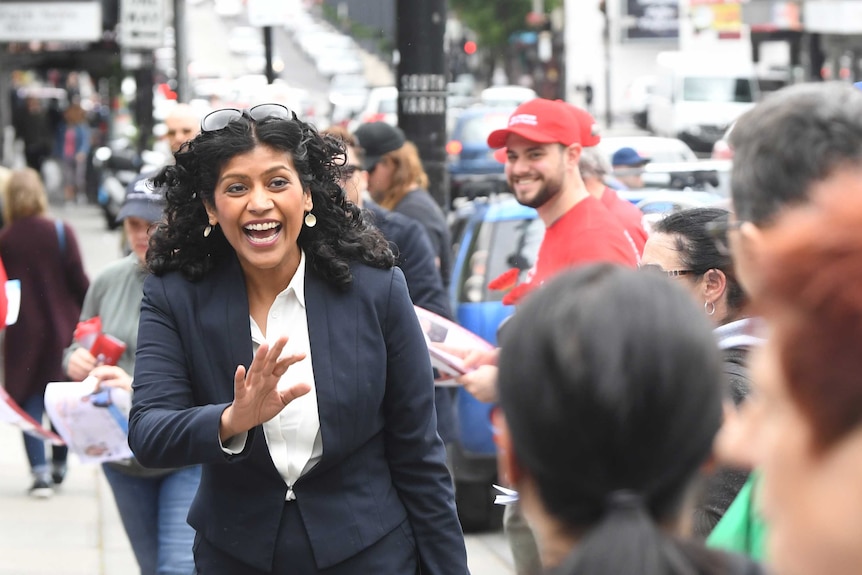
279 348
153 503
397 182
784 146
413 254
682 246
806 422
797 137
43 254
624 374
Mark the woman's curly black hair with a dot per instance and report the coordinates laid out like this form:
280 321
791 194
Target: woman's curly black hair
340 236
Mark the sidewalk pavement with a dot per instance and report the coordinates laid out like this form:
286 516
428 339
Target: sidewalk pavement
76 532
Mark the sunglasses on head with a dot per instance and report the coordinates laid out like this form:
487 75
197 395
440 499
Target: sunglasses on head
219 119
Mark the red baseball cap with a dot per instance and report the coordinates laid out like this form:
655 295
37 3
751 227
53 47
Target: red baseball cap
546 122
590 130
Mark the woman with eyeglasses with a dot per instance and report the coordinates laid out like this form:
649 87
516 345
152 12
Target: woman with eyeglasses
623 403
279 348
687 246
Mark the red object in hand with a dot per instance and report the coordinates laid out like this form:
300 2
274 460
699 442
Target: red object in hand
505 280
107 349
86 332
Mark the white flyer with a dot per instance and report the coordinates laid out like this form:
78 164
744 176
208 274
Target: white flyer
93 423
448 343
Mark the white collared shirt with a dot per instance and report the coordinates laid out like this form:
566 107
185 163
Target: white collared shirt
293 436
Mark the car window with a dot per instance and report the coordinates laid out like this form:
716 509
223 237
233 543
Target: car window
705 89
477 128
496 248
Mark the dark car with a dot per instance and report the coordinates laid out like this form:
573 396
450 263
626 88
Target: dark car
492 235
473 170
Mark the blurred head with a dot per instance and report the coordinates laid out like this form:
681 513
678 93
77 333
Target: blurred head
252 177
594 166
683 245
807 432
795 138
143 206
610 386
392 163
183 123
353 178
25 195
75 114
628 167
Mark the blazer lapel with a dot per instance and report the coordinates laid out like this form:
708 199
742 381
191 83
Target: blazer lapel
317 294
223 316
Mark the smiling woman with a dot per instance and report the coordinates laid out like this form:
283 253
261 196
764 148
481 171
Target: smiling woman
278 347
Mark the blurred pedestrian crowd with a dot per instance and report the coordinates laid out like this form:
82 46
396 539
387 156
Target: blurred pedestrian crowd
62 120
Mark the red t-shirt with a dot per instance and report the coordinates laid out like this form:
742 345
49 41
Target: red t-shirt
629 216
587 233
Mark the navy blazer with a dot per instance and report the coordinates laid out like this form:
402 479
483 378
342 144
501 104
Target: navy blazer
382 462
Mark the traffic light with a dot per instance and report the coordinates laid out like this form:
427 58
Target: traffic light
469 47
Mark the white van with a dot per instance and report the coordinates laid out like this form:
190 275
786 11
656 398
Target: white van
697 96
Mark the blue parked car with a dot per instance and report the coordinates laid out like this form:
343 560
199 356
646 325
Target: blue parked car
473 170
492 235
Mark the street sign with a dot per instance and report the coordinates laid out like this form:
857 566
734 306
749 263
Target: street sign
269 12
142 23
50 21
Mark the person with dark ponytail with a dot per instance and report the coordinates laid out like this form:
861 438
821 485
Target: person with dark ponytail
611 394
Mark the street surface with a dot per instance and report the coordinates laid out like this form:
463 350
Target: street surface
78 531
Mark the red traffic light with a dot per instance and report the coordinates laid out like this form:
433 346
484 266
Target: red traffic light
469 47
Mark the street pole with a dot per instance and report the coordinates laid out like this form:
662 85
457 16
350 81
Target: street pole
267 48
181 51
421 80
606 40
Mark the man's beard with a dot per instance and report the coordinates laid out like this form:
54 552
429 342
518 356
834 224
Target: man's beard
546 193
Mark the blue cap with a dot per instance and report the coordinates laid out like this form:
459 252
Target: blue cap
628 157
858 85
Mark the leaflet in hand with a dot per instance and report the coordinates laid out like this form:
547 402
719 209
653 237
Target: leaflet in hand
94 423
11 412
448 344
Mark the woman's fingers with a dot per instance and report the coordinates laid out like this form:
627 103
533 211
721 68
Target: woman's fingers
239 376
293 392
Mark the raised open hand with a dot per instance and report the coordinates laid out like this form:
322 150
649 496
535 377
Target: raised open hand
257 398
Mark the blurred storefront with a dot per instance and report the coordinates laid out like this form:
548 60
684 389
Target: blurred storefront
57 44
